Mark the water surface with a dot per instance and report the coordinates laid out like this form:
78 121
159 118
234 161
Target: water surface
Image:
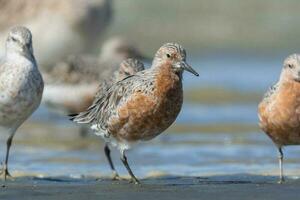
207 138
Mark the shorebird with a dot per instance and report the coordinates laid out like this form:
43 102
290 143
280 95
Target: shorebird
73 26
279 111
78 76
21 85
141 106
115 50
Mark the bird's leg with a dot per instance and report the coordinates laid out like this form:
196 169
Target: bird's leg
4 171
280 158
124 160
111 164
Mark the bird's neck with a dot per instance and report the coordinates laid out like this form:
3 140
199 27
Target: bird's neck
287 78
17 57
167 79
167 68
288 83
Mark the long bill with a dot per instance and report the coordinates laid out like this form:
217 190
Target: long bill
188 68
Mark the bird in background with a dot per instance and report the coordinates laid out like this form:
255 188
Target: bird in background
21 85
139 107
87 68
279 111
60 27
127 68
79 76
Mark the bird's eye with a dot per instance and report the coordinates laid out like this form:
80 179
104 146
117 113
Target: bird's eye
13 39
168 55
290 66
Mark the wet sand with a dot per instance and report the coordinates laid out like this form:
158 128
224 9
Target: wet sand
213 187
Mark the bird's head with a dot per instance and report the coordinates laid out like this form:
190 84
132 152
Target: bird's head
19 41
175 55
291 67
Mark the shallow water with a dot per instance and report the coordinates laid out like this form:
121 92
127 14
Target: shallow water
214 141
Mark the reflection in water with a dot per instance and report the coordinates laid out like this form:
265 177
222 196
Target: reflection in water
188 154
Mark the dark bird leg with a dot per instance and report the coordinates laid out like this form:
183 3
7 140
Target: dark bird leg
124 160
111 164
4 171
280 158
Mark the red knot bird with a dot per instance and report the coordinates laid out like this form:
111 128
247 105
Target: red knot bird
73 26
141 106
279 111
78 76
21 85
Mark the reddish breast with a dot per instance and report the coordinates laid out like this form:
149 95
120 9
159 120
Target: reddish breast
280 118
146 115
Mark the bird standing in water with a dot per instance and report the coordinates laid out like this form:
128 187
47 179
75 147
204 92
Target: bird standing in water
279 111
141 106
21 85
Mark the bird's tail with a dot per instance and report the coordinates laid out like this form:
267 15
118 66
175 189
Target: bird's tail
73 116
81 118
88 116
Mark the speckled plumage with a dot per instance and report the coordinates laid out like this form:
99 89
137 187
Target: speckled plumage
279 111
141 106
127 68
268 95
21 84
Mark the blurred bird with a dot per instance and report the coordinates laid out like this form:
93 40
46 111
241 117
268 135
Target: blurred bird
141 106
127 68
279 111
21 85
78 76
67 27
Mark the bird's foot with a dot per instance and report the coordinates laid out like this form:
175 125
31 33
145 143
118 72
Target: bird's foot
5 174
135 181
281 180
116 177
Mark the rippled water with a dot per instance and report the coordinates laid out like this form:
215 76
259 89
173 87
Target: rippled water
50 145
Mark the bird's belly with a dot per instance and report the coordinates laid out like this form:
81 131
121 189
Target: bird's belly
147 121
17 105
282 124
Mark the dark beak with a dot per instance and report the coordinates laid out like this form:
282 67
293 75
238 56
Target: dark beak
188 68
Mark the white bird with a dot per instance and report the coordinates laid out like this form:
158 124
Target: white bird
21 85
